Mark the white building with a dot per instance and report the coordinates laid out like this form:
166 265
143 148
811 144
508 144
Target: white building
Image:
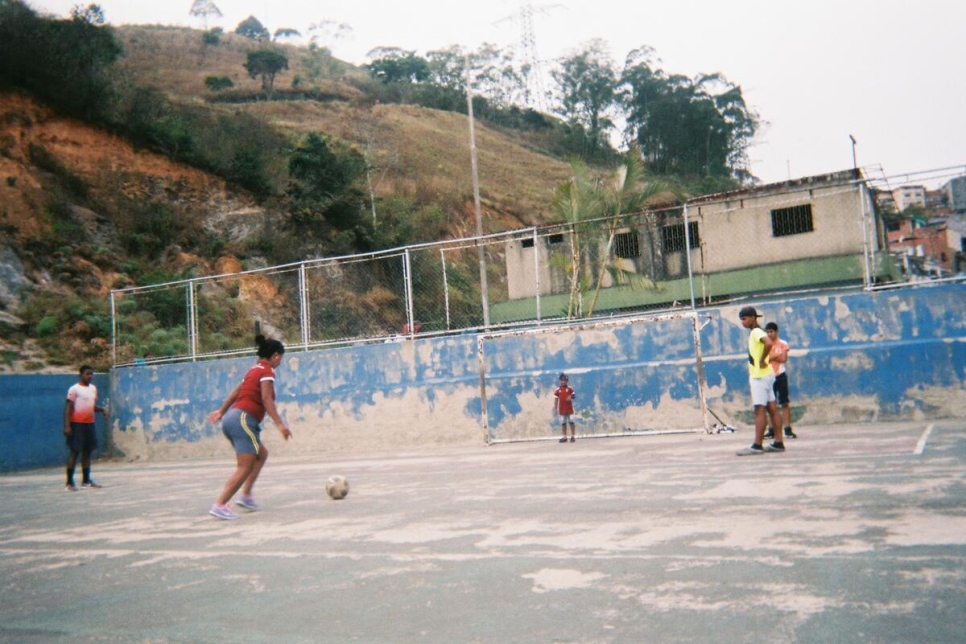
812 231
906 196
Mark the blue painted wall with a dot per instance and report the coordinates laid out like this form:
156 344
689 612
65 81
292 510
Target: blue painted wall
32 420
855 357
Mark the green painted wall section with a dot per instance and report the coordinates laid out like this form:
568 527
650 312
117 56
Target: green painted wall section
816 272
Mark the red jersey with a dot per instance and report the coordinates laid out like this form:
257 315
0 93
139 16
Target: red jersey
250 395
565 400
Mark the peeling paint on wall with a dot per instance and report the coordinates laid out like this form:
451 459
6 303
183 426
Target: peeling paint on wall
855 357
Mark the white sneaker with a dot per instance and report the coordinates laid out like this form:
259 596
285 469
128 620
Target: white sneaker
751 450
248 503
222 512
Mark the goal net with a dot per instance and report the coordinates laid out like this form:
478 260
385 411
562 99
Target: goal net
631 376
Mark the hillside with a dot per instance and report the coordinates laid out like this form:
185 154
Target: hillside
420 152
83 211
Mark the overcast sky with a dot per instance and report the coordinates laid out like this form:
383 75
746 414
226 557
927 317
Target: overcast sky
889 72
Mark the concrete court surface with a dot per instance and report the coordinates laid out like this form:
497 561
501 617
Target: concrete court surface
856 534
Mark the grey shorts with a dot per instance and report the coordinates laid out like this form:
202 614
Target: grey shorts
762 390
242 430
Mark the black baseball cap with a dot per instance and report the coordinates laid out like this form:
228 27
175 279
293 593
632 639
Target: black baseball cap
748 312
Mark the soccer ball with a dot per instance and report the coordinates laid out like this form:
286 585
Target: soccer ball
337 487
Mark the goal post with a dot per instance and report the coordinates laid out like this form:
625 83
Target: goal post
632 376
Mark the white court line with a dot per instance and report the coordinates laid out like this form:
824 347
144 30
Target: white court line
921 445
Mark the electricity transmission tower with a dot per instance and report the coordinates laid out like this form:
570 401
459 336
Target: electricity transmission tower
530 64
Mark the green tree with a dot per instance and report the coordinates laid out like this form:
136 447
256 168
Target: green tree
495 77
92 14
250 27
696 127
576 202
627 190
447 68
266 64
394 65
587 83
285 32
585 198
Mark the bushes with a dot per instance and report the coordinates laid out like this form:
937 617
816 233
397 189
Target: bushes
323 190
212 37
240 148
151 229
46 327
71 330
218 83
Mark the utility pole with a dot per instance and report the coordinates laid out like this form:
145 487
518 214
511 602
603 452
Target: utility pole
484 289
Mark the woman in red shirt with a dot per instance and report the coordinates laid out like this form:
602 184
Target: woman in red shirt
241 416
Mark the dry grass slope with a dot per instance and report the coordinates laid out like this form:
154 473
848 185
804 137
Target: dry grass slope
417 153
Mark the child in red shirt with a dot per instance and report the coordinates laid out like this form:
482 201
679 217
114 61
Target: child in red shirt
564 406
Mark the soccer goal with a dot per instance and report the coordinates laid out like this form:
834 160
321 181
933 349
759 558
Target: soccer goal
631 376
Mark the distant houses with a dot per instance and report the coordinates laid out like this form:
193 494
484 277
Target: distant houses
927 228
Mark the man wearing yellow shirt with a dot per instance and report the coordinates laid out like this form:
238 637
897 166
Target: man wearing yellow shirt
761 378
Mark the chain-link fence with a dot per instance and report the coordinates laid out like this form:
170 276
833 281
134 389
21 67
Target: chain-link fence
816 233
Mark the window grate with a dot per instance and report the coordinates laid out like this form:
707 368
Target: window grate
626 245
672 237
791 221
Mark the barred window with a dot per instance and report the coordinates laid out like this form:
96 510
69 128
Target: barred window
555 239
672 237
626 245
791 221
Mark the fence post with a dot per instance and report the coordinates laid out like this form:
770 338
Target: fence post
687 250
408 285
113 331
536 271
192 322
305 320
442 259
868 254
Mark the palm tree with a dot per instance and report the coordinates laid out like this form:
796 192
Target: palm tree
586 197
628 191
576 201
